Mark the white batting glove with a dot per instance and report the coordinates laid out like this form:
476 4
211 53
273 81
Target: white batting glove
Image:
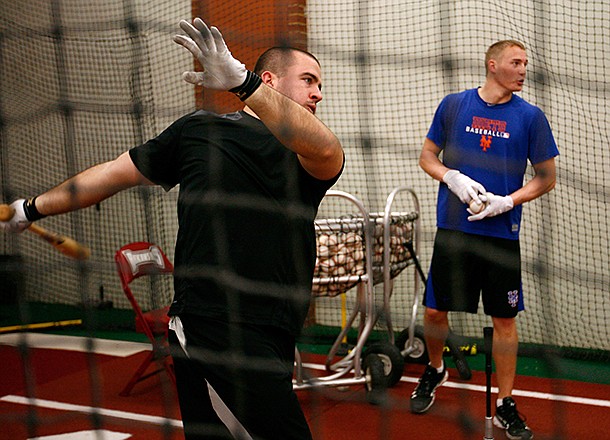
463 186
221 70
495 205
19 222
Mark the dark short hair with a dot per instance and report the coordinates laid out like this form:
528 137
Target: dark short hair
276 59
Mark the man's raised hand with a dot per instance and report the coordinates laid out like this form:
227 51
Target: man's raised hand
220 70
17 221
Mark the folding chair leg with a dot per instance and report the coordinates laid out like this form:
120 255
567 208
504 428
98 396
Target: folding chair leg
168 363
137 376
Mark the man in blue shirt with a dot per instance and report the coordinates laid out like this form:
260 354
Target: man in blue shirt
486 136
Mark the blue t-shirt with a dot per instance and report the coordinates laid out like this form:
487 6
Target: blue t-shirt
490 144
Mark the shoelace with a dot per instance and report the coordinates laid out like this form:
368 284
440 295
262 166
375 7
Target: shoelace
514 417
426 383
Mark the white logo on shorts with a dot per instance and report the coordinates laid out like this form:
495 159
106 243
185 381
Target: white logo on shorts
513 298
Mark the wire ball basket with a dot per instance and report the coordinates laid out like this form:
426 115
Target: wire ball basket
341 250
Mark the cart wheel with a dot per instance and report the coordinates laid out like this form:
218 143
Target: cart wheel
419 355
393 362
374 374
461 364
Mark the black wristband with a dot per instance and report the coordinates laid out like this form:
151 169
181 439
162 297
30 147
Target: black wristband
29 208
252 82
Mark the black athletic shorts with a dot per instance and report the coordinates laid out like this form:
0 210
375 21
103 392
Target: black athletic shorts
465 265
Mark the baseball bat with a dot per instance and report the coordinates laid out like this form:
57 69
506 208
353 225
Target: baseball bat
488 333
40 325
63 244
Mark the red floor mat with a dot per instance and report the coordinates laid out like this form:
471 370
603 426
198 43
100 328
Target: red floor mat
94 381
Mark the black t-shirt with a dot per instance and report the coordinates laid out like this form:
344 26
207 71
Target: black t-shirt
245 250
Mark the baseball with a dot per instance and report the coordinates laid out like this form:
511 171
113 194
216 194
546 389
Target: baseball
476 206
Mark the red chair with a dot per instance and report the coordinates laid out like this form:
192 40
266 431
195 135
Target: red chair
133 261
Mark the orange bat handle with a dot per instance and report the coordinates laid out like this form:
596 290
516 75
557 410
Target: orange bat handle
63 244
6 213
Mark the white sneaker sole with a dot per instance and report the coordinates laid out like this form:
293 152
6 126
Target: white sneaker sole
498 423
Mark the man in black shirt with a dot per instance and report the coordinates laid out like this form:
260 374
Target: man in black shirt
250 186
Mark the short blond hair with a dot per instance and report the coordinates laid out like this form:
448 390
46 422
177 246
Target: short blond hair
494 51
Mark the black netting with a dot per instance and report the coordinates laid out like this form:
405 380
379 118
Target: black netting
81 82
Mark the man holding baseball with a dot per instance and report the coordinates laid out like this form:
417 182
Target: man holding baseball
487 135
250 186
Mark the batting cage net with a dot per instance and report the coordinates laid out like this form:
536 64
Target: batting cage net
82 82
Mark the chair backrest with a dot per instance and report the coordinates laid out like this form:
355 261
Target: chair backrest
141 258
138 259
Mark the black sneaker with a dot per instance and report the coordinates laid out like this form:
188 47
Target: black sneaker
422 397
508 418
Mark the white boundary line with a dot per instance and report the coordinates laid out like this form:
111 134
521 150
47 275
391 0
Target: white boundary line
60 406
482 388
123 348
109 347
51 404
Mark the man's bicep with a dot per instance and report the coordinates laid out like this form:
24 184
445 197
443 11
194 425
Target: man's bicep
124 170
546 170
431 147
429 160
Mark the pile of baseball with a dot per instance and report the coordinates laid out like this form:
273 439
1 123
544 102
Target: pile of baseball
341 257
400 234
339 254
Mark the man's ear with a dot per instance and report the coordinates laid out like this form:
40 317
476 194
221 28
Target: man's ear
269 78
491 66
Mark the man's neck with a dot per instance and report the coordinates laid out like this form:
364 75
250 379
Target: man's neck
493 94
250 112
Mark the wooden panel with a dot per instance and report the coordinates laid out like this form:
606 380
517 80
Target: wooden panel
249 28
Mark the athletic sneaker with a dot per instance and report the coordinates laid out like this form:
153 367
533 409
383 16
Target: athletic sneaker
508 418
423 395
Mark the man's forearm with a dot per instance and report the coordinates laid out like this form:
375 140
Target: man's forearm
532 190
299 130
90 186
430 162
543 182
